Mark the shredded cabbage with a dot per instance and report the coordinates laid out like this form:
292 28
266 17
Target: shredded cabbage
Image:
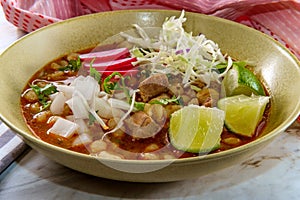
176 51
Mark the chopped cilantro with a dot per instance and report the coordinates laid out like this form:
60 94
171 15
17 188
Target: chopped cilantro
73 65
139 105
165 101
43 94
94 73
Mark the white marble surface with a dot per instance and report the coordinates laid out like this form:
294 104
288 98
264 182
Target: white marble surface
273 173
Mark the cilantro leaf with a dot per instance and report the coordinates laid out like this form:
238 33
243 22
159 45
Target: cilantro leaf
165 101
95 74
73 65
43 94
139 105
48 89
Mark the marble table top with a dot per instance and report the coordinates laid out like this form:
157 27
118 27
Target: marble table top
273 173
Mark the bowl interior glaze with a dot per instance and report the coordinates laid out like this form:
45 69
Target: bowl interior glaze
275 66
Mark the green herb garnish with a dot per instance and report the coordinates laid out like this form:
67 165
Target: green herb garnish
73 65
165 101
92 118
139 105
94 73
109 86
194 87
43 93
222 67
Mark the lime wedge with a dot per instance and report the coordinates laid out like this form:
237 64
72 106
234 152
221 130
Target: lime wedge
240 80
196 129
243 113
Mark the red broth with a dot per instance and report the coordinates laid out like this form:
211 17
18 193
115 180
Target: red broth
117 144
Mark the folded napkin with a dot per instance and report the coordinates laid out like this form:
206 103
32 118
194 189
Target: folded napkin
11 146
278 18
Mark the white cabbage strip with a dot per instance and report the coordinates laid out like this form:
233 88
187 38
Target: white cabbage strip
196 57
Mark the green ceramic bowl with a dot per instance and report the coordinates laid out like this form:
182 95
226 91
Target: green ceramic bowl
277 68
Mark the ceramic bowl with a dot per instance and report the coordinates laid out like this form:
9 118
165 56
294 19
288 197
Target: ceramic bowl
275 66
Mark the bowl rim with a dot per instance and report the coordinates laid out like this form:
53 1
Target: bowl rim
213 156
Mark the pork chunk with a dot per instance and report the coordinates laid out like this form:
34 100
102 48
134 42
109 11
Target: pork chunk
153 86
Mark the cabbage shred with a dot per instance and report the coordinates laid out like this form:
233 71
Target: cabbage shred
176 51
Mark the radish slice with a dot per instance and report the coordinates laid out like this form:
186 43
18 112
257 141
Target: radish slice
105 56
115 65
131 72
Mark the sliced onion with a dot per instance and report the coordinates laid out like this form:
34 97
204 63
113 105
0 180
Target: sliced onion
82 139
87 86
83 128
66 89
58 103
52 96
70 118
79 106
63 127
116 103
103 108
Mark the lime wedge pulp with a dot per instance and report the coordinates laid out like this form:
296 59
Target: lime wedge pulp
196 129
240 80
243 113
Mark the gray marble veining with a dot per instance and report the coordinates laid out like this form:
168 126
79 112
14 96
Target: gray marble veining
273 173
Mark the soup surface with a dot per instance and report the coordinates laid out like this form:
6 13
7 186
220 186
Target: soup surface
120 103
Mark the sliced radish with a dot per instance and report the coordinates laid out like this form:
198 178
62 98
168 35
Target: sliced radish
115 65
105 56
131 72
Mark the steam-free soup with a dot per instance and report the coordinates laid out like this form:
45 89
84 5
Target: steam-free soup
119 103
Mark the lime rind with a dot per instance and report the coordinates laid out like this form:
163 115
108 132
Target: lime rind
243 113
196 129
249 79
240 80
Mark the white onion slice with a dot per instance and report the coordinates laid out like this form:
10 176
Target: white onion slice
82 139
116 103
79 106
83 127
87 86
63 127
66 89
58 103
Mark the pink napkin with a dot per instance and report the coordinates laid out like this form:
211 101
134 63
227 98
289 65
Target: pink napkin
278 18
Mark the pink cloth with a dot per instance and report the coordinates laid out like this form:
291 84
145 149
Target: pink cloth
278 18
